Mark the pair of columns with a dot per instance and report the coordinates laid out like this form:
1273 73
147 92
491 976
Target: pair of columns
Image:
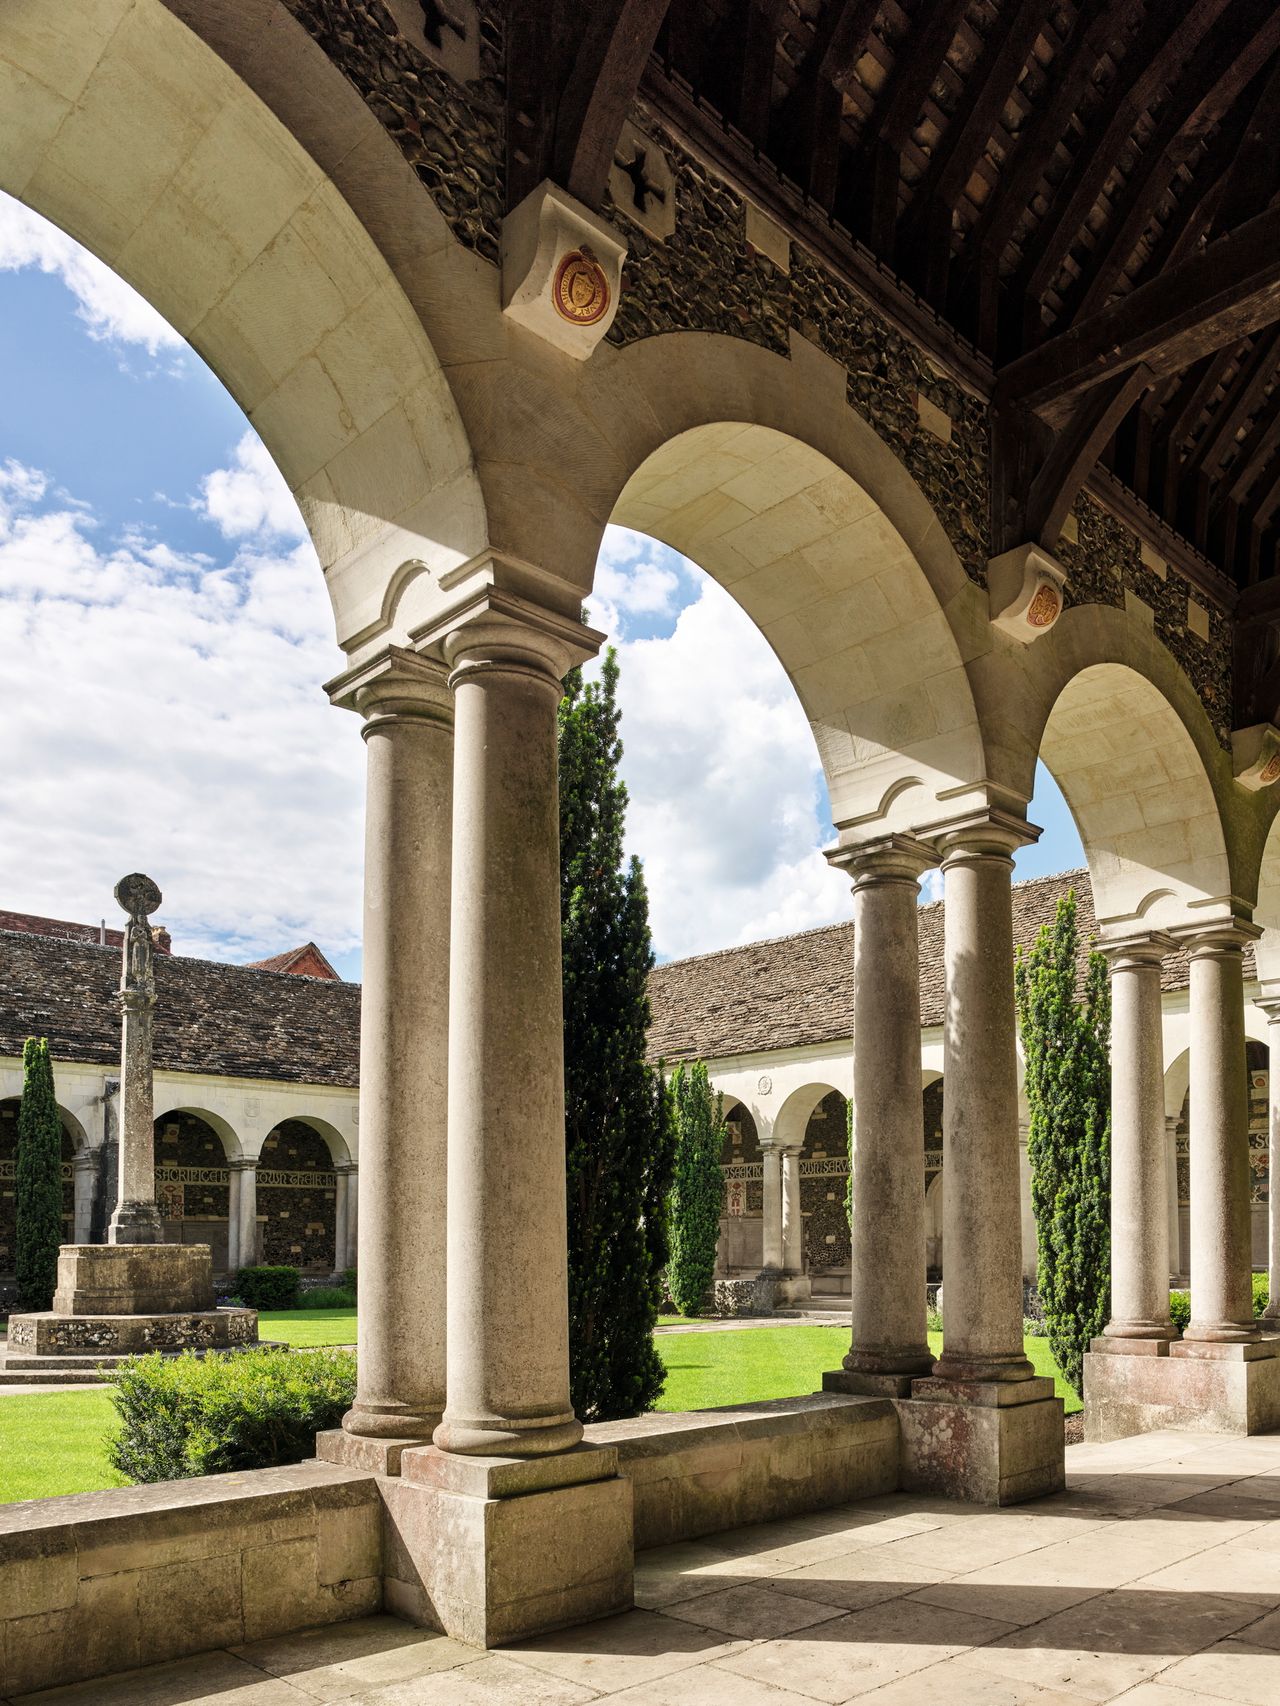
1142 1222
982 1335
242 1217
782 1220
463 1327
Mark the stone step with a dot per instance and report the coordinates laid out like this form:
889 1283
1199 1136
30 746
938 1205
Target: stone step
46 1377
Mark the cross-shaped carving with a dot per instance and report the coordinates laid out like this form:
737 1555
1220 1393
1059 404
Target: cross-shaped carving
641 188
436 18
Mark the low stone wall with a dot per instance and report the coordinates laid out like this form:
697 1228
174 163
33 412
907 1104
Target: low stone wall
704 1471
99 1582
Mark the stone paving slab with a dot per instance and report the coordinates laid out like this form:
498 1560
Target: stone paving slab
1153 1581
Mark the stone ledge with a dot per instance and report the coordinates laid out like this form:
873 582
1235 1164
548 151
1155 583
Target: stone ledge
1226 1394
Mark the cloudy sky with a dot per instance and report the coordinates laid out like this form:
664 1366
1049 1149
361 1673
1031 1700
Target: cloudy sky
166 632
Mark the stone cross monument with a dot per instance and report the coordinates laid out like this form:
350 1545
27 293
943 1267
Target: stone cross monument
137 1218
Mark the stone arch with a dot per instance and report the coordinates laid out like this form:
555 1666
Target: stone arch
1144 780
297 1195
328 1133
792 1122
218 1125
129 132
853 616
1266 949
742 1145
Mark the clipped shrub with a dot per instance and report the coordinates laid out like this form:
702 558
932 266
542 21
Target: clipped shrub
192 1415
1180 1309
269 1288
347 1280
1261 1294
328 1297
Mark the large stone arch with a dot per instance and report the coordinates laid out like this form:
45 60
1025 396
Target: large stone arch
795 1113
134 136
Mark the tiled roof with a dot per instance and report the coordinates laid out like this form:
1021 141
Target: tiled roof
306 961
32 924
798 990
210 1018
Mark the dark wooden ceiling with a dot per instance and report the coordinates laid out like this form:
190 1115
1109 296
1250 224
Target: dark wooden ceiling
1085 190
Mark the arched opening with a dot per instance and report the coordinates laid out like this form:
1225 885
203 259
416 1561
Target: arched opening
739 1249
73 1144
931 1100
824 1180
193 1180
297 1198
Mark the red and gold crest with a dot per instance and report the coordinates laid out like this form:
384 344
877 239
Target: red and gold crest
580 290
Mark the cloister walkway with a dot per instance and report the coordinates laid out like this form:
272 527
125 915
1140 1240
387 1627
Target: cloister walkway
1154 1579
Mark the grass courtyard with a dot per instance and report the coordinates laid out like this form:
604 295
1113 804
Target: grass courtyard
55 1442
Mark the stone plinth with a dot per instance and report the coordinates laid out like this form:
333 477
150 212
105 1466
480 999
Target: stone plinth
492 1549
1205 1387
51 1334
993 1442
134 1279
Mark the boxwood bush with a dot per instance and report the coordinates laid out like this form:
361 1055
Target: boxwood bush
206 1415
268 1288
1180 1303
327 1297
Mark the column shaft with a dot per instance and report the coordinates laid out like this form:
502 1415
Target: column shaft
408 737
982 1318
771 1231
1139 1188
350 1256
508 1338
341 1193
792 1216
85 1175
233 1222
1221 1253
1273 1164
1171 1188
887 1262
247 1242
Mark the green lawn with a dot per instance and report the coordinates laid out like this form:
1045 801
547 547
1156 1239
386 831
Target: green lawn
54 1442
309 1327
708 1369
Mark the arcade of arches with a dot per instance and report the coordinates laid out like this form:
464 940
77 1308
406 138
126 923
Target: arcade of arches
945 341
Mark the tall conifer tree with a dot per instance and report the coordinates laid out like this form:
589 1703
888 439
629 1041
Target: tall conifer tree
617 1137
697 1113
1066 1044
38 1180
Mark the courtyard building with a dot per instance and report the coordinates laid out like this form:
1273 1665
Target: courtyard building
946 341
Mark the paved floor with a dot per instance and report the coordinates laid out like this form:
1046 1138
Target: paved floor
1155 1580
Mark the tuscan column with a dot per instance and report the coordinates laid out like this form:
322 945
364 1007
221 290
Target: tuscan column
351 1254
136 1218
85 1175
792 1216
1139 1183
1221 1253
341 1194
772 1245
246 1169
887 1272
233 1218
408 734
508 1316
1171 1185
982 1319
1270 1005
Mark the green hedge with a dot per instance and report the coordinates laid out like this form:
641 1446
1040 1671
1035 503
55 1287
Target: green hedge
192 1415
327 1297
1180 1303
268 1288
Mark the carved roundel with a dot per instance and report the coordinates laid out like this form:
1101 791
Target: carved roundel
1270 771
580 290
138 895
1043 610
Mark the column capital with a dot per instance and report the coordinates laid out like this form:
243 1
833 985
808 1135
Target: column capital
243 1163
1135 949
1219 938
499 629
890 859
346 1168
990 833
1267 1000
397 685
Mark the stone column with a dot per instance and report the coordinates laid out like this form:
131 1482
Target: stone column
233 1219
887 1264
341 1188
136 1219
350 1258
85 1166
982 1320
772 1246
408 732
1221 1243
1171 1188
247 1231
508 1328
1139 1185
1271 1007
792 1216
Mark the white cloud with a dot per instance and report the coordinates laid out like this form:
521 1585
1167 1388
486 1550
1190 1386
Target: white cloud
111 309
635 577
250 497
165 712
727 802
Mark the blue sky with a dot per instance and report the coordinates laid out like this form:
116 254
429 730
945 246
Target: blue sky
168 633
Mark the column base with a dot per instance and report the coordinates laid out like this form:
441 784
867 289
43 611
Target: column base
1202 1386
863 1384
471 1438
495 1549
391 1421
135 1223
994 1442
364 1451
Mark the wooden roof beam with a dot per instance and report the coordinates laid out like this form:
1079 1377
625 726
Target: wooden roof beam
809 120
1240 402
614 48
1222 295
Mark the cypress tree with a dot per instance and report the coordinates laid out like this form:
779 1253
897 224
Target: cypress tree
38 1180
617 1137
1066 1044
698 1192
